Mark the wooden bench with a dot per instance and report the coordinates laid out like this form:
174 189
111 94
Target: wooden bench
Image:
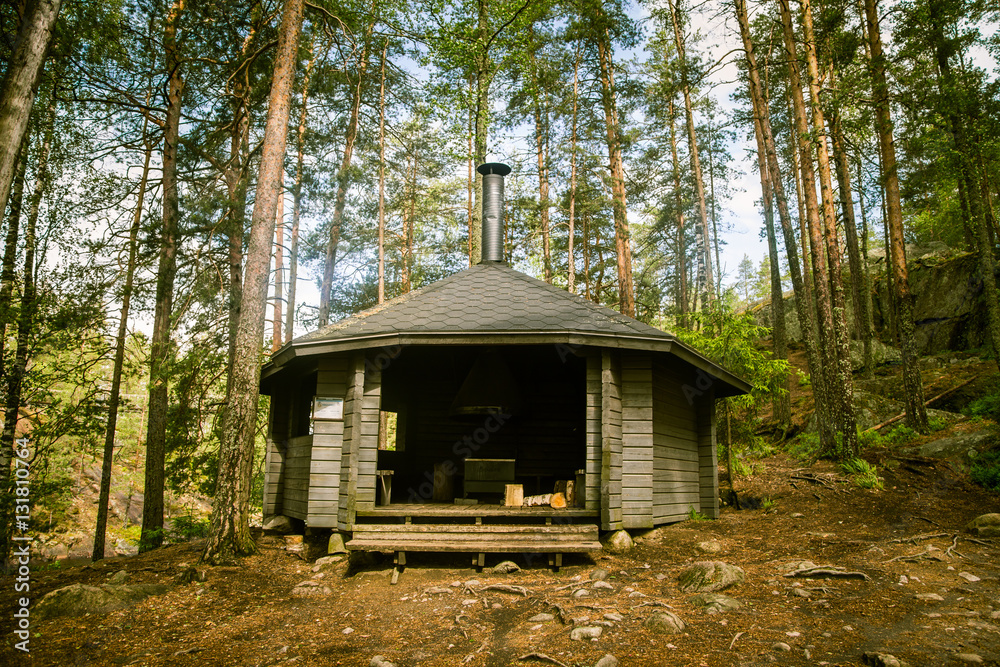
478 539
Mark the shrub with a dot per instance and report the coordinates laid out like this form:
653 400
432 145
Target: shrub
985 470
862 473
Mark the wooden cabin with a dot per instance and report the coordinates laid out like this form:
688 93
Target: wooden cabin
490 378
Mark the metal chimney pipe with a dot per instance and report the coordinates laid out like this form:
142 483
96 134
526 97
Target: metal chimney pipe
493 173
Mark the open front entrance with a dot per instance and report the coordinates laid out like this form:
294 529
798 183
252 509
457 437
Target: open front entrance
472 419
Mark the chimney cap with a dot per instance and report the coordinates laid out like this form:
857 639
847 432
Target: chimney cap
498 168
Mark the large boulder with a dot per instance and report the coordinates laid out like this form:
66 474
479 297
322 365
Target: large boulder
665 622
278 523
966 446
985 525
618 542
709 576
715 603
80 599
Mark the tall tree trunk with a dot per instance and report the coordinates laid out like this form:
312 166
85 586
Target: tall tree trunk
159 355
800 284
300 157
381 183
699 180
860 283
916 411
20 83
277 309
343 178
471 179
7 275
820 283
841 379
541 114
100 530
25 331
230 530
623 247
409 221
586 257
236 182
682 296
570 250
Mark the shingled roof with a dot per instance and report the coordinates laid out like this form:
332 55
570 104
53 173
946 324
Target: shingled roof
490 303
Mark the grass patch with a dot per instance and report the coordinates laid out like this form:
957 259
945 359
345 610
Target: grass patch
862 473
695 515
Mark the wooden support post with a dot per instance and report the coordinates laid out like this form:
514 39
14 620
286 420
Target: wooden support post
400 561
555 562
478 561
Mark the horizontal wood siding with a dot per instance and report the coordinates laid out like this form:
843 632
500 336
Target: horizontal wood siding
676 462
637 439
349 452
295 499
273 484
328 439
368 438
593 464
707 456
611 441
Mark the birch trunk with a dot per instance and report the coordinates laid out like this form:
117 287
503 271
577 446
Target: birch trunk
230 530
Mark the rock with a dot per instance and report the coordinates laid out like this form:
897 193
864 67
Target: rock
125 548
295 544
328 560
347 631
506 567
379 661
714 603
880 660
801 593
794 565
969 658
542 618
599 574
190 574
780 646
607 661
929 596
985 525
665 622
581 593
336 544
585 632
968 576
118 578
797 515
614 617
602 585
437 590
709 576
881 354
80 599
279 524
964 446
618 542
310 588
710 547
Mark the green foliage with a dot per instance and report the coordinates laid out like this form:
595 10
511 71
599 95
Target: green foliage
188 526
985 406
985 470
695 515
899 434
805 447
862 473
768 504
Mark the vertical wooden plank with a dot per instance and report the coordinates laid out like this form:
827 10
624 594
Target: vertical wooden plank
346 510
708 465
367 448
592 486
611 441
273 473
637 439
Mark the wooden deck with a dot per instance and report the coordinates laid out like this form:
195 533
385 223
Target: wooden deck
476 529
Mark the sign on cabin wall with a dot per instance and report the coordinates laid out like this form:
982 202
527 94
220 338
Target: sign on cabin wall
328 408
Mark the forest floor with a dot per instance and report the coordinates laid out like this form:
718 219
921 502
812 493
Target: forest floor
931 597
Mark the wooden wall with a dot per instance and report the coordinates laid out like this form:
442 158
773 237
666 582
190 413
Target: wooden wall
295 496
327 442
676 446
594 433
637 439
611 438
707 456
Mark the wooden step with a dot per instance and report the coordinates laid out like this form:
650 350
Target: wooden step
477 538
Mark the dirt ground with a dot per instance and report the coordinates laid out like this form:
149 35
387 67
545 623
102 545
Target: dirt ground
246 615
